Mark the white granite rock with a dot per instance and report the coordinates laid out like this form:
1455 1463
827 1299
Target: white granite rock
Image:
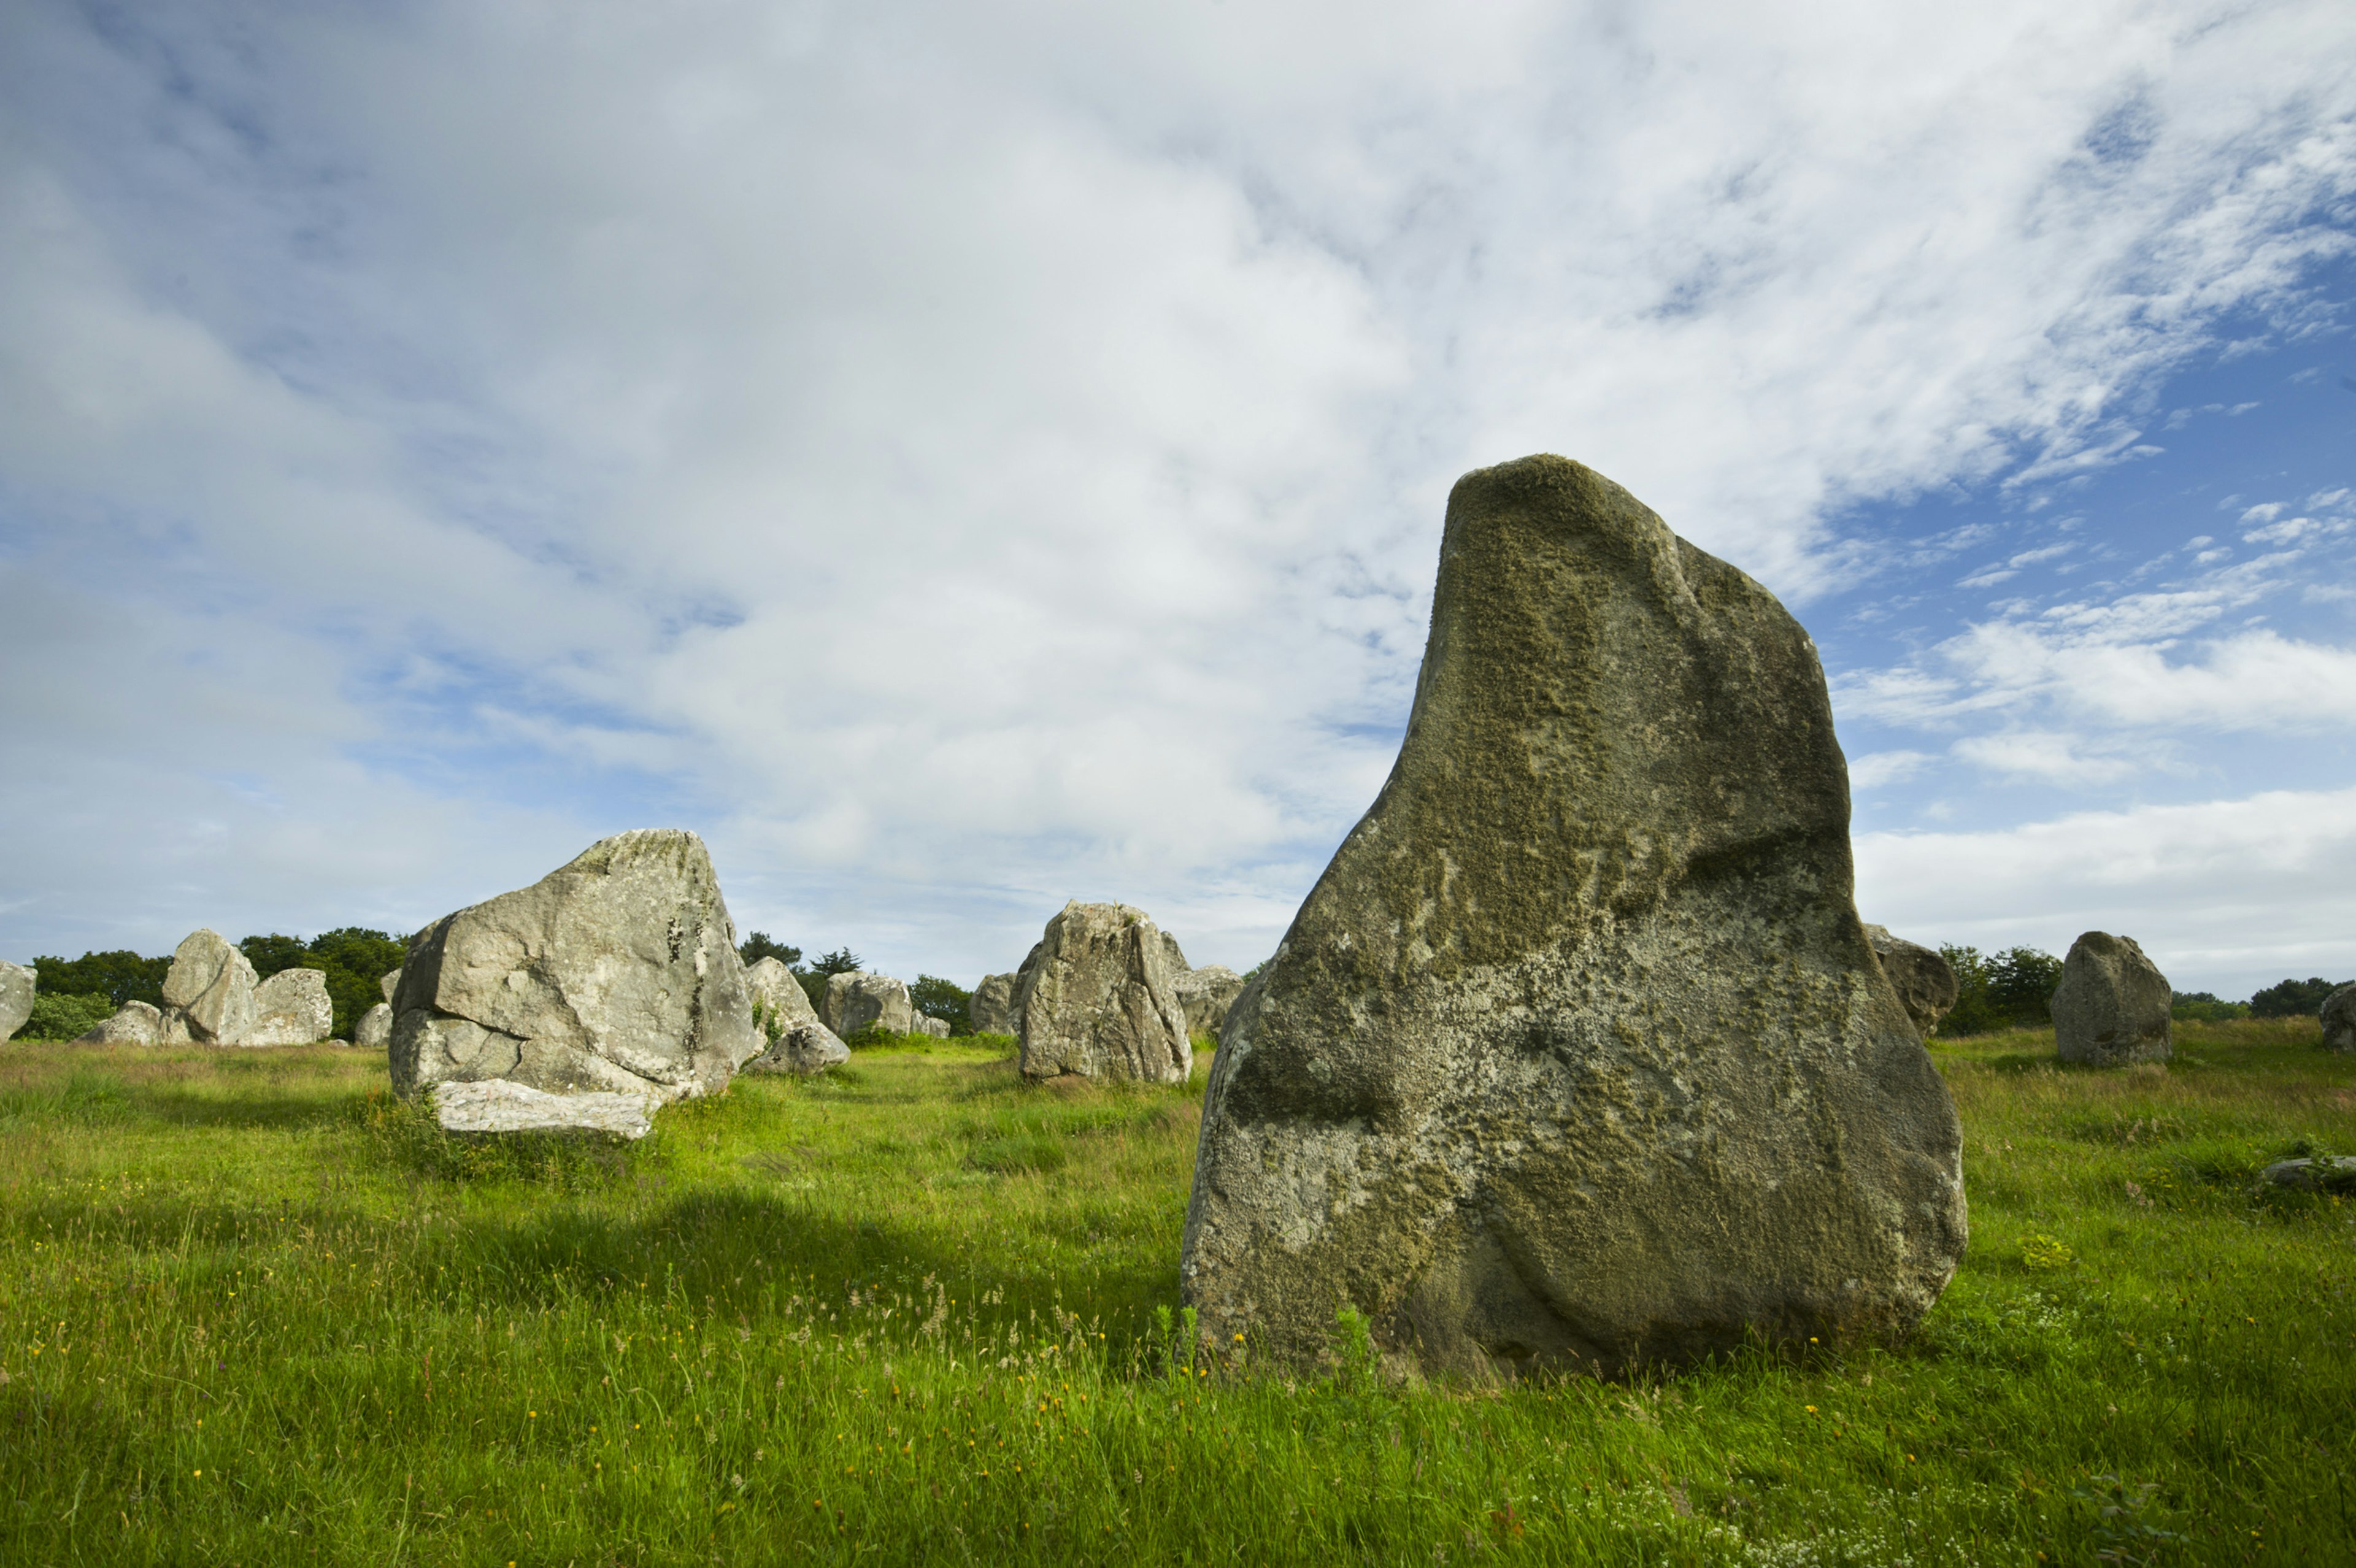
498 1105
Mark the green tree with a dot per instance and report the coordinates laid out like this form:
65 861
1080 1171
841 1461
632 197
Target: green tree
120 977
2293 999
813 979
2012 989
760 945
943 1000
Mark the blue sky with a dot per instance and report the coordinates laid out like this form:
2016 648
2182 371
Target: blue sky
962 458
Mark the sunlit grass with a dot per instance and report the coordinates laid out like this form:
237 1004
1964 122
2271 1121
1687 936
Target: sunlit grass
255 1311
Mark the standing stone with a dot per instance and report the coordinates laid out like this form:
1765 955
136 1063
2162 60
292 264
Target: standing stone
856 1003
1174 955
374 1031
797 1041
389 983
18 986
1097 999
290 1008
2112 1007
1925 981
926 1024
134 1023
208 992
1207 994
2339 1015
617 972
1576 1057
992 1006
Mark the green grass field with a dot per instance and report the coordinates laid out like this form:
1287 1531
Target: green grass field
255 1312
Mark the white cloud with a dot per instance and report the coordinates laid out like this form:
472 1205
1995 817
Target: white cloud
2044 756
2226 895
1878 769
964 456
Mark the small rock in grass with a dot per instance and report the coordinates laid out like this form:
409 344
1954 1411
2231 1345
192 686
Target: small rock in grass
499 1106
136 1023
2320 1173
2113 1005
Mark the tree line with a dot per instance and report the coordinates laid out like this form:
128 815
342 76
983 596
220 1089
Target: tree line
2014 989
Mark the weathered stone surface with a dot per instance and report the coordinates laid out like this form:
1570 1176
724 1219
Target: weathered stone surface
925 1023
856 1003
2338 1014
497 1106
1576 1057
374 1031
2112 1007
617 972
1207 994
18 985
290 1008
777 995
992 1010
134 1023
208 992
798 1043
389 983
1097 999
1924 980
2324 1173
1173 956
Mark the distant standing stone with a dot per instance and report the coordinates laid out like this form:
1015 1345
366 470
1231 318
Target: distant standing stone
925 1023
1207 994
495 1106
389 983
2339 1019
802 1045
1097 1000
617 972
993 1008
208 992
857 1002
290 1008
18 985
2112 1007
374 1031
1925 980
1576 1058
134 1023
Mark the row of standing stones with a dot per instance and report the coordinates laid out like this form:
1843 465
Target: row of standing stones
1577 1057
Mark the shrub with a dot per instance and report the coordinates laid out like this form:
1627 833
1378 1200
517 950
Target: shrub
65 1017
2205 1007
